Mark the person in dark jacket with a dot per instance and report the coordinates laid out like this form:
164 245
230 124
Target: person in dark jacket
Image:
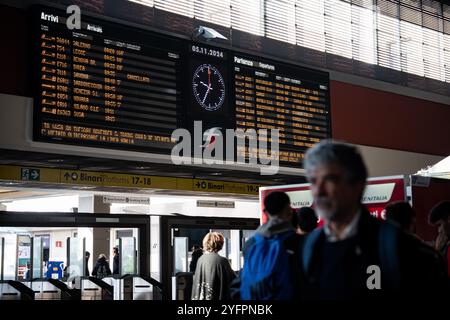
101 268
440 217
197 252
213 273
401 214
269 255
304 220
115 260
86 270
355 255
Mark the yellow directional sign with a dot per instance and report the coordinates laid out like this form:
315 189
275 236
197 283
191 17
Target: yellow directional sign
110 179
117 179
224 187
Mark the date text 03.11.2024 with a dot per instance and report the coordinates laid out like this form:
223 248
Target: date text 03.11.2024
208 52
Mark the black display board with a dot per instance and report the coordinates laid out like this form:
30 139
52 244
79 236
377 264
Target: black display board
115 86
105 84
270 95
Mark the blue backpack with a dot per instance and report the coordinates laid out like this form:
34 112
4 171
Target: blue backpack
270 267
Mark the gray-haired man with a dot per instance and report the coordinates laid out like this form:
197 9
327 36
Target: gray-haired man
355 255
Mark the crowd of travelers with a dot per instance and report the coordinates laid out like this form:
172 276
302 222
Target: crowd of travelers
351 255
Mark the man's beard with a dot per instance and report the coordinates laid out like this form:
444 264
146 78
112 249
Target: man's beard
325 208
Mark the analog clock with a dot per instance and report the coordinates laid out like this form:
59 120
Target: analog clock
208 87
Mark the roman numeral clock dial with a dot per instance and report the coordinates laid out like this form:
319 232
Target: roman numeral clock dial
208 87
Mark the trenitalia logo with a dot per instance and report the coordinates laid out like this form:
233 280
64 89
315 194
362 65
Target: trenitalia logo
374 193
300 199
209 147
378 193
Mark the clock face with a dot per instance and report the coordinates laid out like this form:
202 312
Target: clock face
208 87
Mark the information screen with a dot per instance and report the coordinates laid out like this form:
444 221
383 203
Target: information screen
119 87
106 85
293 100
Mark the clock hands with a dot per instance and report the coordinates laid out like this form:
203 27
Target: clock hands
209 77
208 98
204 84
208 86
206 94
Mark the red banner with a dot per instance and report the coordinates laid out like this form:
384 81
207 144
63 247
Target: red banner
379 192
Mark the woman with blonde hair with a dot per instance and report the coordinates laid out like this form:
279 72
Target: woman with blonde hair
213 273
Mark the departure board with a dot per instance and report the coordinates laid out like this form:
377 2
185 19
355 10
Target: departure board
270 95
105 84
121 87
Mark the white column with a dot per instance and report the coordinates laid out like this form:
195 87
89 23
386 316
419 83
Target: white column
235 250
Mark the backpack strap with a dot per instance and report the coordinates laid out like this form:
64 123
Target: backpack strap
388 253
235 285
292 243
308 248
249 243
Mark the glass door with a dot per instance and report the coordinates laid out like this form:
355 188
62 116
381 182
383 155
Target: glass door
37 258
127 256
180 254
